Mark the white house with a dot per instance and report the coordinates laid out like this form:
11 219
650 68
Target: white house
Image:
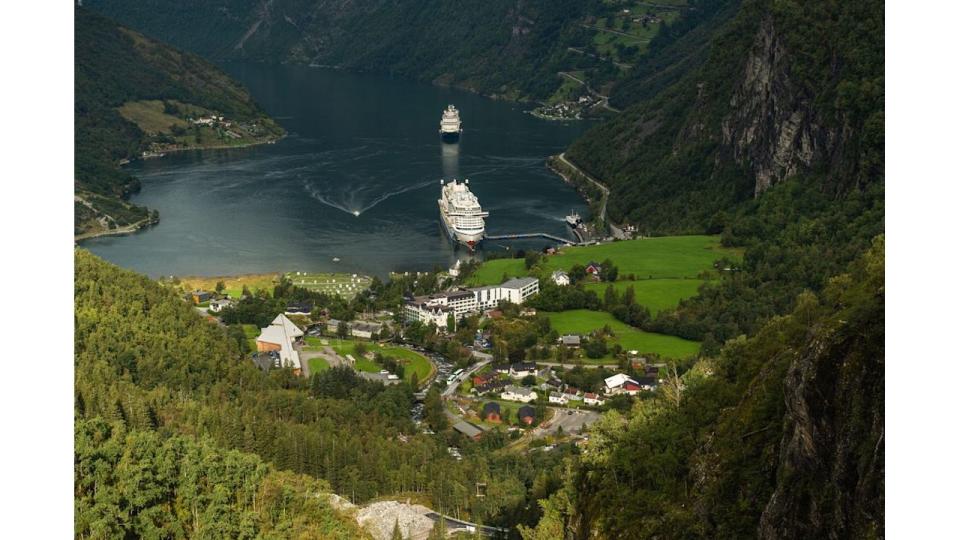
560 278
619 384
593 399
522 369
217 306
558 398
518 393
280 336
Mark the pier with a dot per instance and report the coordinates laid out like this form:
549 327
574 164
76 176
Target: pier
520 236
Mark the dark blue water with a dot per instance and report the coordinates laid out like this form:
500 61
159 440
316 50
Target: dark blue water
357 144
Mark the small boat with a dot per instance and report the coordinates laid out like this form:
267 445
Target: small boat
336 259
574 220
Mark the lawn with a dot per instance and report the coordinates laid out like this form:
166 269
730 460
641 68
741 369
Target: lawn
648 258
582 321
343 284
655 294
491 272
412 361
317 365
234 284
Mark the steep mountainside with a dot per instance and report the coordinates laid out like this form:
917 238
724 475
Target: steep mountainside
781 437
133 94
786 88
498 47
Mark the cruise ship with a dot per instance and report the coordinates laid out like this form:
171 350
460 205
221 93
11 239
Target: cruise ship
450 125
461 214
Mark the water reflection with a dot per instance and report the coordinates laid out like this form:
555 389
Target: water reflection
450 156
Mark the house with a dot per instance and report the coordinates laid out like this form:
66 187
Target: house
527 414
281 336
485 378
217 306
365 330
594 269
491 412
647 383
570 340
558 398
630 388
503 369
200 297
561 278
573 394
299 308
616 384
495 385
468 429
593 399
522 369
528 312
518 393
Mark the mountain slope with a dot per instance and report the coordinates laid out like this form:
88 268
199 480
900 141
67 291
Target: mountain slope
500 47
781 437
786 88
133 95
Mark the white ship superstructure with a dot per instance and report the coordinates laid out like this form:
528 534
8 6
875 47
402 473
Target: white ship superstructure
461 214
450 125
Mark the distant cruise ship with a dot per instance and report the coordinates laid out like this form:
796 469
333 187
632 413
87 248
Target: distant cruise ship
461 214
450 125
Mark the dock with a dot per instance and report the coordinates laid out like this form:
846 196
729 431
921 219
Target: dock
521 236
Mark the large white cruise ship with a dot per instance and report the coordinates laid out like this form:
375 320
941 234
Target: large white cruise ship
450 125
461 214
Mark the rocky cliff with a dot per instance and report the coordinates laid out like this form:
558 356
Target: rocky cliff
786 89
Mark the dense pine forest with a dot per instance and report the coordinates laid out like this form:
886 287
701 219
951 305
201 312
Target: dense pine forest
149 368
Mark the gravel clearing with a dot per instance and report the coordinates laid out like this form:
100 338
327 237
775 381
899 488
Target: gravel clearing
379 518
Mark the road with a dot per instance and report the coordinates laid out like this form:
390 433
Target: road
616 231
585 366
571 420
452 388
454 524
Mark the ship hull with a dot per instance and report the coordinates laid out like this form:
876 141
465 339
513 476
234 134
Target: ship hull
450 137
470 241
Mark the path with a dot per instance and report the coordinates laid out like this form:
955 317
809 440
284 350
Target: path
616 231
571 366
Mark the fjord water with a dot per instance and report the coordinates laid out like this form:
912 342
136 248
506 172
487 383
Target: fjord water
357 179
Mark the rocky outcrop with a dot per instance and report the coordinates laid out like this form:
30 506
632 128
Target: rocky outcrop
772 128
830 476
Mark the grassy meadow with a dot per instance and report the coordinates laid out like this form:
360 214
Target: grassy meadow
582 321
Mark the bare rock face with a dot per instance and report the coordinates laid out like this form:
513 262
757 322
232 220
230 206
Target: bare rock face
380 518
831 465
772 128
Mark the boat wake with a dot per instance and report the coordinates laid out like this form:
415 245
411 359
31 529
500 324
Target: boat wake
357 209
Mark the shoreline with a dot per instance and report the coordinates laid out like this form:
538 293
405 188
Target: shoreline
119 231
142 224
214 147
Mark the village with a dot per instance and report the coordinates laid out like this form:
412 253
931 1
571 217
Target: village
480 393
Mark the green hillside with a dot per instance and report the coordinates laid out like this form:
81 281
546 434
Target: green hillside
135 95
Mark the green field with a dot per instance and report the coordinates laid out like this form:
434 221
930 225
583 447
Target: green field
491 272
582 321
342 284
412 361
655 294
648 258
317 365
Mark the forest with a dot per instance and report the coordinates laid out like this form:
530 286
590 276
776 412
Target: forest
147 366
